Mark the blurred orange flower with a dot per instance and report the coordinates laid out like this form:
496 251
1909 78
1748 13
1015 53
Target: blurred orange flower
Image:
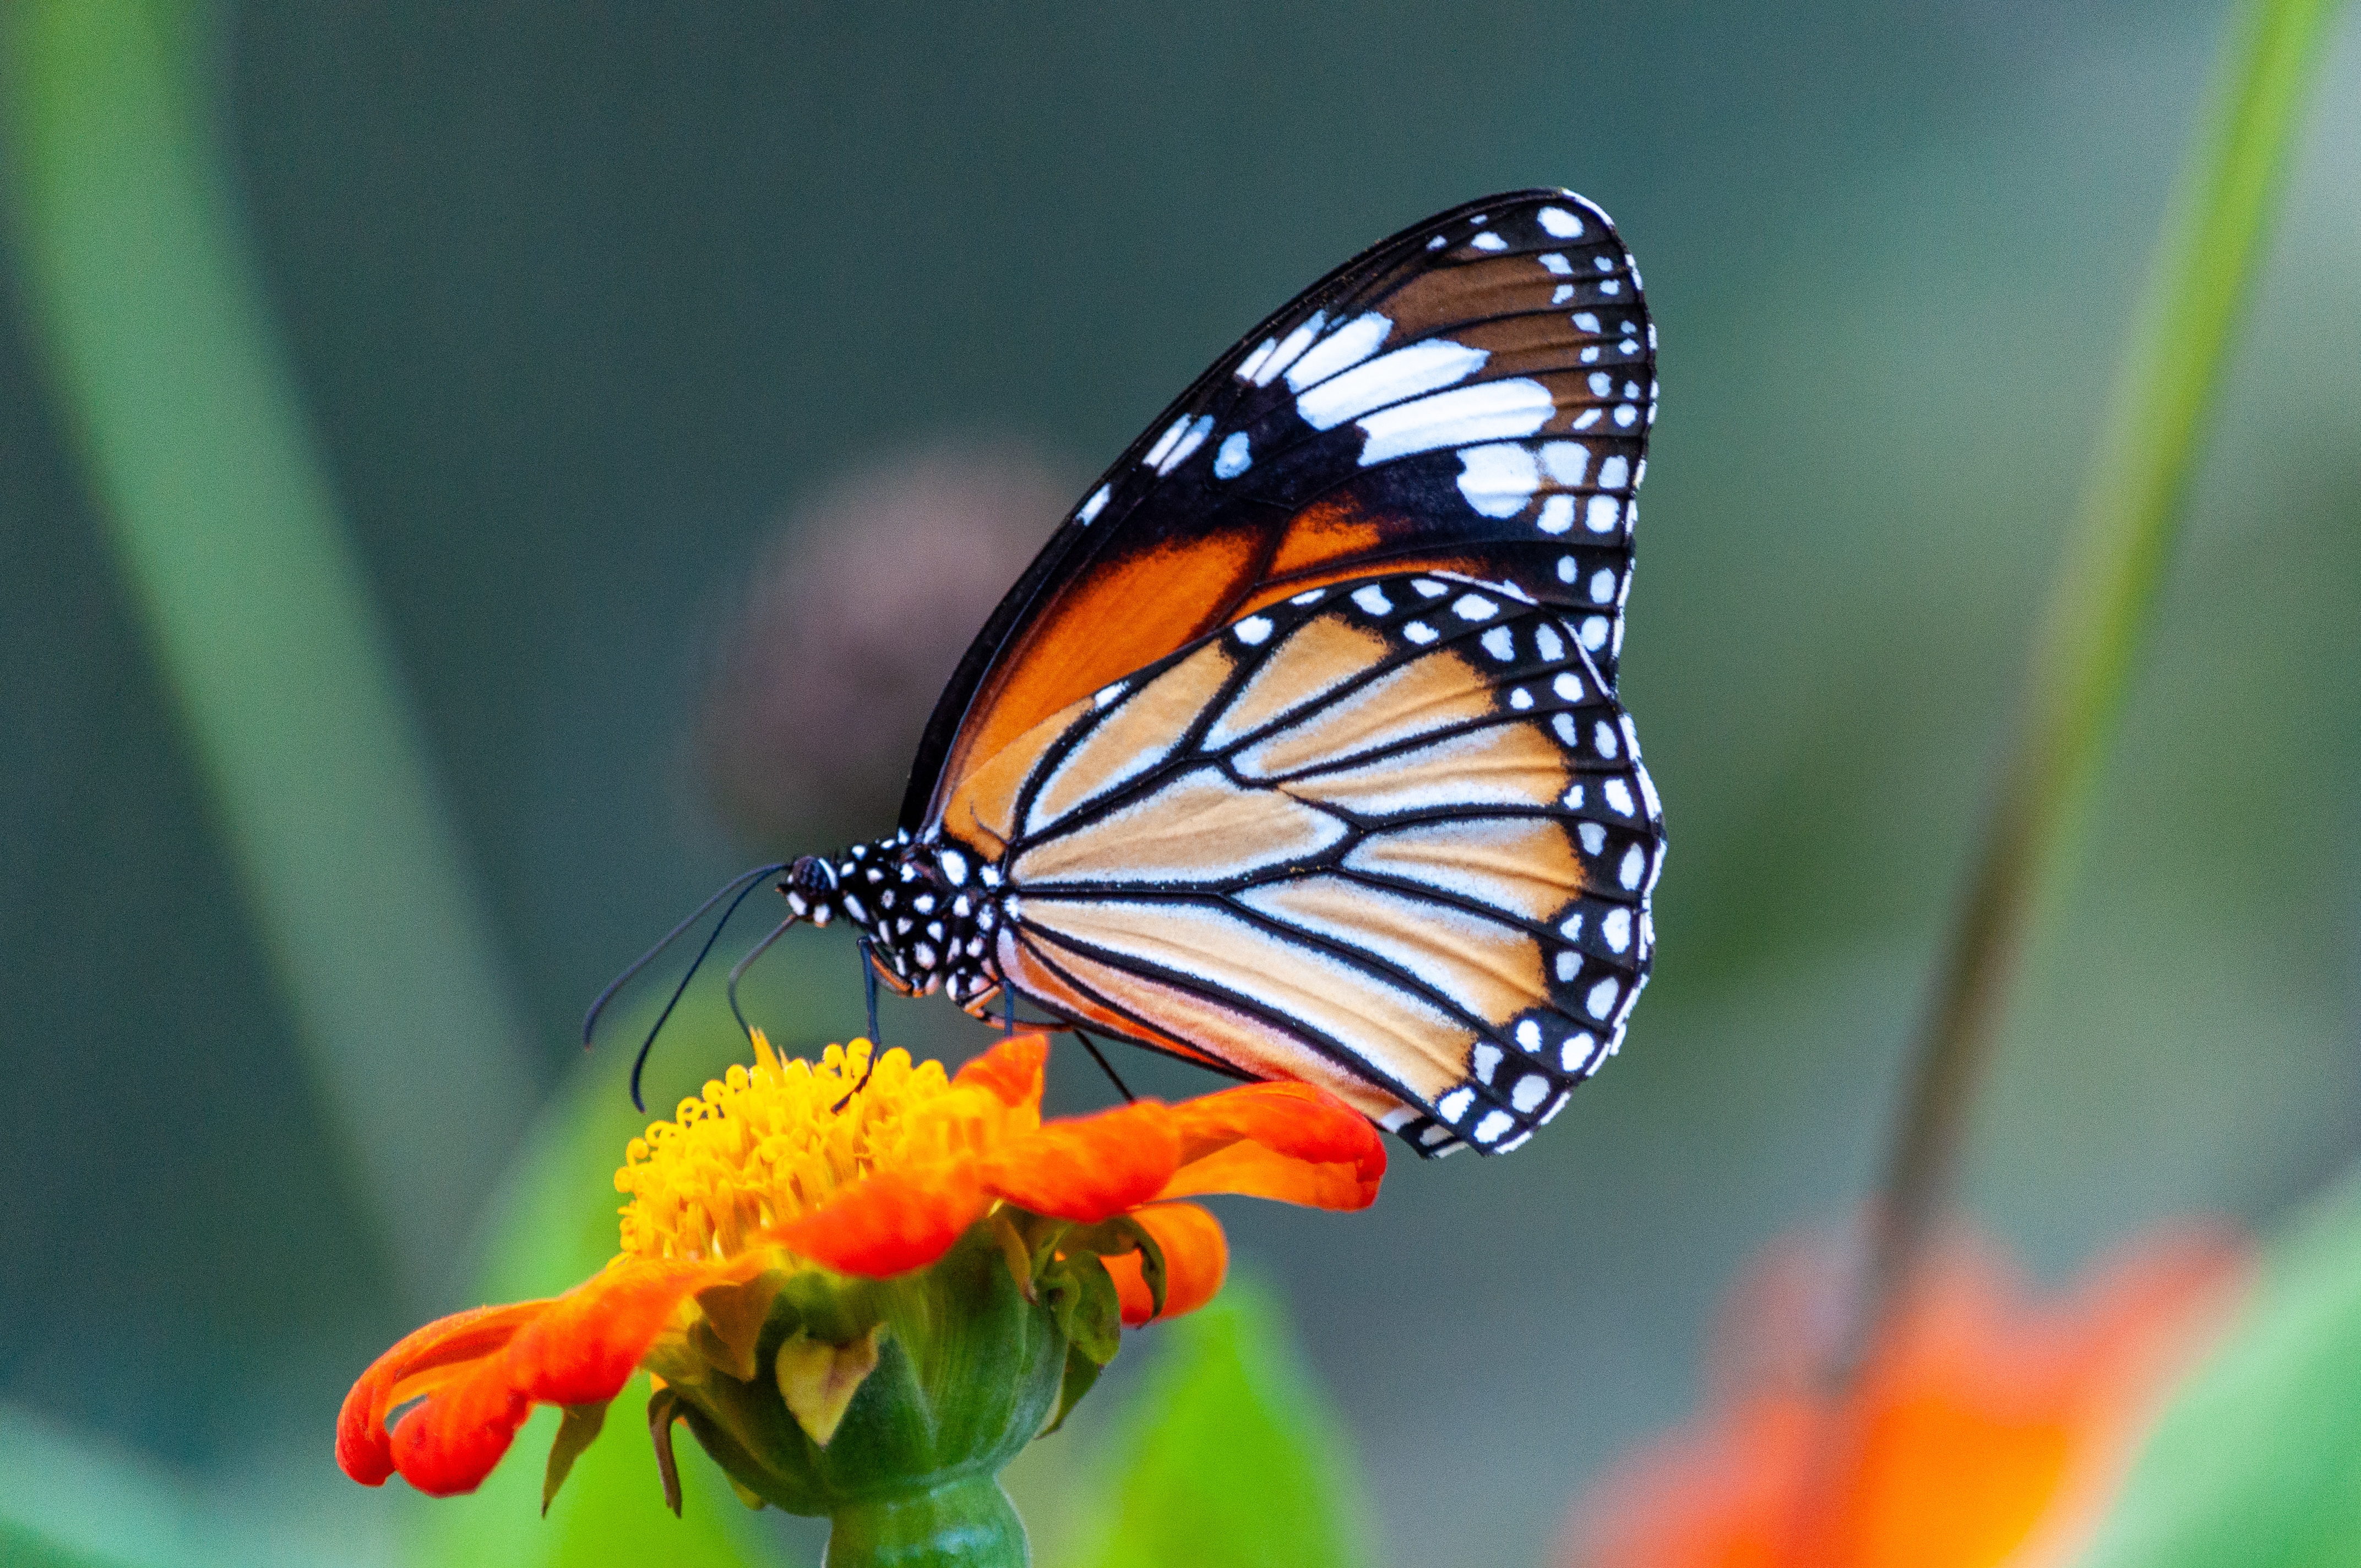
1989 1429
785 1186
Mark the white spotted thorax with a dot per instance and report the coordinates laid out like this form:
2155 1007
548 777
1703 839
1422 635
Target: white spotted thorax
926 910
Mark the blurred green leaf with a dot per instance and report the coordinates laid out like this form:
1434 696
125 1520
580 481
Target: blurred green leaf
1232 1457
2257 1460
158 344
553 1226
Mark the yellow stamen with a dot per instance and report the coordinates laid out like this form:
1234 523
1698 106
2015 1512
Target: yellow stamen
765 1145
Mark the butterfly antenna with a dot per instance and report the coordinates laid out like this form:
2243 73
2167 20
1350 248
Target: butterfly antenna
640 1062
739 970
590 1019
1108 1067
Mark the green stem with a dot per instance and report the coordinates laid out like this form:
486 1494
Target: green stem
2099 614
221 519
965 1523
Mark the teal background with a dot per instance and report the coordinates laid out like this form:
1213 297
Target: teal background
580 301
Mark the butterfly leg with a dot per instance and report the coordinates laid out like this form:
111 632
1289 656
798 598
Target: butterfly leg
869 984
1105 1066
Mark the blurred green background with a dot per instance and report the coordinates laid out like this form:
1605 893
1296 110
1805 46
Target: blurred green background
576 307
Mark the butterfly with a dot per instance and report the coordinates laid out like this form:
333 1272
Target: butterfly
1297 751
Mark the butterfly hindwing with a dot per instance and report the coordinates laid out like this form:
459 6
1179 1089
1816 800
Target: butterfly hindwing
1391 836
1472 396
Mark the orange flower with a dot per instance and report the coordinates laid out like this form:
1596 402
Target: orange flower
1989 1429
758 1214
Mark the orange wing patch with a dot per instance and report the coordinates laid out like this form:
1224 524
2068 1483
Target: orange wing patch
1317 658
1490 970
1136 737
1112 621
1521 866
1419 1043
1414 699
1509 764
1200 827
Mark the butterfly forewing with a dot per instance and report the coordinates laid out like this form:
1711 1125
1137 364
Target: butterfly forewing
1391 836
1472 396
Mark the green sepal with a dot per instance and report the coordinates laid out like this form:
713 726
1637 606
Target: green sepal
1018 1250
576 1433
1088 1312
1112 1238
831 1307
663 1408
1082 1372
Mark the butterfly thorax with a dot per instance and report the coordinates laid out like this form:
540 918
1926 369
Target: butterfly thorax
926 910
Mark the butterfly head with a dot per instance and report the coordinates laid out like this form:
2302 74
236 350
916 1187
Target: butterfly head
927 911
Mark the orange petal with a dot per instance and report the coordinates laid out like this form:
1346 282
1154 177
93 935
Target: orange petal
1087 1169
579 1349
1288 1141
894 1222
411 1368
1196 1258
1012 1070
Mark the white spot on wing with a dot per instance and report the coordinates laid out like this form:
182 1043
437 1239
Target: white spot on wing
1192 435
1567 461
1096 504
1373 599
1559 222
1489 412
1557 514
1289 348
1253 630
1497 480
1235 458
1165 443
1474 607
1558 265
1489 242
1387 380
1340 350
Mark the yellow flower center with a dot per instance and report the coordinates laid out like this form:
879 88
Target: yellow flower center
767 1144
